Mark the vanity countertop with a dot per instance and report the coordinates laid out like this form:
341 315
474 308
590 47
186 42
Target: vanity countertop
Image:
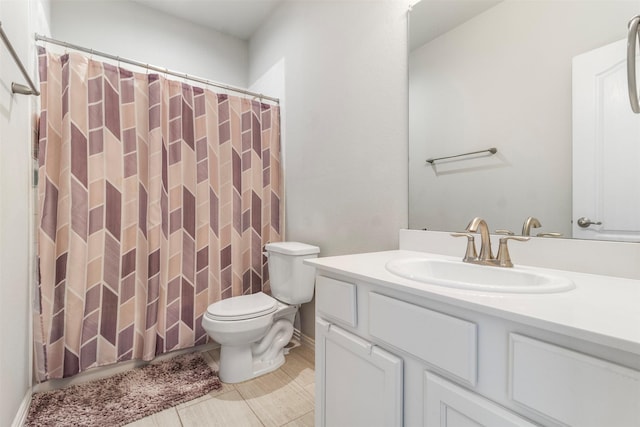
601 309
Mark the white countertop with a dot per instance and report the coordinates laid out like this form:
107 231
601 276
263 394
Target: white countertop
601 309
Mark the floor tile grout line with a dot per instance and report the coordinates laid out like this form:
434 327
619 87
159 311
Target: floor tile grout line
250 407
254 412
213 397
296 419
291 381
179 417
285 372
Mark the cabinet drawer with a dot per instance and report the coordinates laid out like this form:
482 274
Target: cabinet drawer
570 387
336 300
444 341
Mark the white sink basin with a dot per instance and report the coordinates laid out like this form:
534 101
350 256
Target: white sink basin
458 274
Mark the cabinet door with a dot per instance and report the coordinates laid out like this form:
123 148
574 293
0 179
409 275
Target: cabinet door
448 405
357 383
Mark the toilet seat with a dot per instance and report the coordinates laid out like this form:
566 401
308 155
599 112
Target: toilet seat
242 307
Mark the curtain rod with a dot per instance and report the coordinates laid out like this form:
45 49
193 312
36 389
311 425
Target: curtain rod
17 87
39 37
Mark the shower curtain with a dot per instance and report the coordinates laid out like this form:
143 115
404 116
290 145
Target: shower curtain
155 199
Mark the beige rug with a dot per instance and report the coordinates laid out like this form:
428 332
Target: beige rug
125 397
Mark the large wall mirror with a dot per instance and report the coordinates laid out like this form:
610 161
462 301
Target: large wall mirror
510 75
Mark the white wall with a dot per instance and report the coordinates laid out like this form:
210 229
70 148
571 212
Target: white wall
502 79
20 19
133 31
345 66
346 110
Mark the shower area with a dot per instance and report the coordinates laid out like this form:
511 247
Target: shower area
156 193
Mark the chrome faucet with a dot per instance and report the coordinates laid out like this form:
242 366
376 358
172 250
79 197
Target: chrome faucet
486 256
530 223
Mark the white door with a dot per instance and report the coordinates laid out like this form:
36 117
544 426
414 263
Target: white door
357 383
448 405
606 148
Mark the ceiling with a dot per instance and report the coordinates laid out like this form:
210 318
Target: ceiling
239 18
431 18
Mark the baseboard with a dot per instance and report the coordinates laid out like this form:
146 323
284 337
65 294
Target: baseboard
307 341
23 410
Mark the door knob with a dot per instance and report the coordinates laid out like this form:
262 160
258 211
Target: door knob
584 222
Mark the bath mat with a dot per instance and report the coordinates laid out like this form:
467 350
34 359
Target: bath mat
125 397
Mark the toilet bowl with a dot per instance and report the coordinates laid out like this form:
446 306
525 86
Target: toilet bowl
254 329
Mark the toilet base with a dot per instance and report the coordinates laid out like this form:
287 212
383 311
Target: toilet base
237 364
244 362
261 368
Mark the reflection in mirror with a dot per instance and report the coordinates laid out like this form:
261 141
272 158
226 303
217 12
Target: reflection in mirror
500 75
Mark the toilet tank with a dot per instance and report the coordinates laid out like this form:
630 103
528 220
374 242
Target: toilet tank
291 281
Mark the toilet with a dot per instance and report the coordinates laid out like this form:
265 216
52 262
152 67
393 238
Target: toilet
253 330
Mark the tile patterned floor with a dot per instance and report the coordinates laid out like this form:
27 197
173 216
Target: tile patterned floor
283 398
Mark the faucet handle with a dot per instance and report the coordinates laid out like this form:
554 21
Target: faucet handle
470 254
503 259
504 232
552 234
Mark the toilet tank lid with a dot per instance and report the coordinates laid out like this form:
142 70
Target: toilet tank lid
292 248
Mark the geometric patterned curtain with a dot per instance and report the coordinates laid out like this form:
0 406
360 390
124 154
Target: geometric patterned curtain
156 199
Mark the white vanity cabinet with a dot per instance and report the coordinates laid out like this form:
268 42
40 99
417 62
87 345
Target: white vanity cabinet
389 357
